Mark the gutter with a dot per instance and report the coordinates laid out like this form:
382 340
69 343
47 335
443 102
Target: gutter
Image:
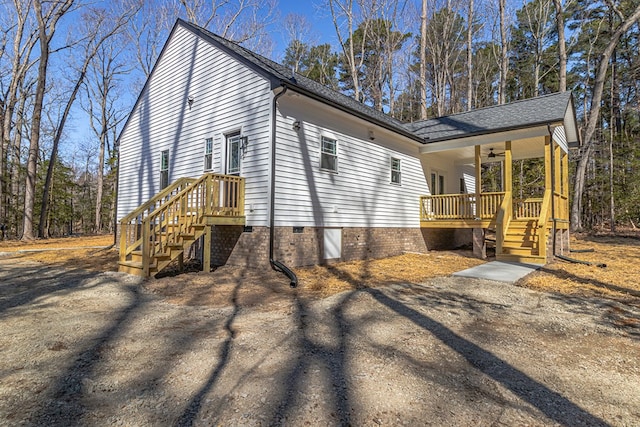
276 265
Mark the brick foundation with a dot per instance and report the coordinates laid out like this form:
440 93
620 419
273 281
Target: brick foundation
231 245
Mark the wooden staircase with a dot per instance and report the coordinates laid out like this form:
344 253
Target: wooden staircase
163 228
526 233
522 242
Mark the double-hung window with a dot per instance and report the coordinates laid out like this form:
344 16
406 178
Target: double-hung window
164 169
329 154
208 154
396 177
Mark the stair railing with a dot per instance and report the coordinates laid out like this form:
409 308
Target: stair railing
131 224
503 218
169 225
543 219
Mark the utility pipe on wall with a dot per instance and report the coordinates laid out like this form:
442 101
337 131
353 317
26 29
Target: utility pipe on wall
276 265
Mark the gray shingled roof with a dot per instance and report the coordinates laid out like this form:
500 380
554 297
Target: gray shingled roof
516 115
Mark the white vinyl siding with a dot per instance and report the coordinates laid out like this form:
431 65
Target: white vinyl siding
360 194
227 96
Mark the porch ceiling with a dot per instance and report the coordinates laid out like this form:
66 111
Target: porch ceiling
525 144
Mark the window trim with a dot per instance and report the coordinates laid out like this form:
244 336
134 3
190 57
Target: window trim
397 171
323 153
208 154
164 170
232 138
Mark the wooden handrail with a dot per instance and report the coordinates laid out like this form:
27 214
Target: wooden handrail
542 223
171 222
503 218
175 187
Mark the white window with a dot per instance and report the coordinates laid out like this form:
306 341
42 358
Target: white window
395 171
234 147
208 154
329 154
164 169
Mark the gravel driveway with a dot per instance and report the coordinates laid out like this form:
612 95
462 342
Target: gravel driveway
80 348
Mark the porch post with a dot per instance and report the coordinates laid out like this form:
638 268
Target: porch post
547 163
479 243
478 164
508 167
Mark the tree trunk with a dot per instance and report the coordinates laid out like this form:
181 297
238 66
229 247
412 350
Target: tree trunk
34 143
504 60
423 61
562 47
470 56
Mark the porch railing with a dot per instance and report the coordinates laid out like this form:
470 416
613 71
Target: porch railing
527 208
460 206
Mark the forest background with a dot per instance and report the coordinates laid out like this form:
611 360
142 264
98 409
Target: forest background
70 71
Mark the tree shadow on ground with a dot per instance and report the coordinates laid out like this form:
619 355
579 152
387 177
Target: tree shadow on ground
622 312
552 404
22 285
311 353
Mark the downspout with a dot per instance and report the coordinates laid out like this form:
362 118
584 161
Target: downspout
276 265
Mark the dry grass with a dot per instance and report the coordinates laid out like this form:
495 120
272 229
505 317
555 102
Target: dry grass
407 268
620 280
86 252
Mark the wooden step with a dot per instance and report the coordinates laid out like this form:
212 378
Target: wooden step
518 243
530 259
506 250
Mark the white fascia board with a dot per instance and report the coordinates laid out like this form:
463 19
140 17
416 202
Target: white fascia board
490 138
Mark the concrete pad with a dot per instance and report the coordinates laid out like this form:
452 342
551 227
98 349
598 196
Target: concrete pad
499 271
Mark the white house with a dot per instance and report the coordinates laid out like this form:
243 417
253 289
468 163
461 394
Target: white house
271 166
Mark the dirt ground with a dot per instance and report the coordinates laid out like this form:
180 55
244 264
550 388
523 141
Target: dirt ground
383 343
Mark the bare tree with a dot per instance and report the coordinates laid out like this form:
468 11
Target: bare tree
24 40
104 115
504 59
470 56
242 21
100 25
594 111
423 61
48 18
344 11
562 47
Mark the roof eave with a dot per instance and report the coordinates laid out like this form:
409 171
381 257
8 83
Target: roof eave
398 130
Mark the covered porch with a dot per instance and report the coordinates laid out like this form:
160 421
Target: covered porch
530 224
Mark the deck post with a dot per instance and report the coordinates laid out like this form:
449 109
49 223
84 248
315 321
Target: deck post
479 243
478 164
206 257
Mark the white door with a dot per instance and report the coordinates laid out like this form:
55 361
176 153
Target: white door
332 243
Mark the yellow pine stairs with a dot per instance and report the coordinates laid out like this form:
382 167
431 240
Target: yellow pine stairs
164 227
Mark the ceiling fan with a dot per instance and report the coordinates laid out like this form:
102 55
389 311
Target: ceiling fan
492 155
